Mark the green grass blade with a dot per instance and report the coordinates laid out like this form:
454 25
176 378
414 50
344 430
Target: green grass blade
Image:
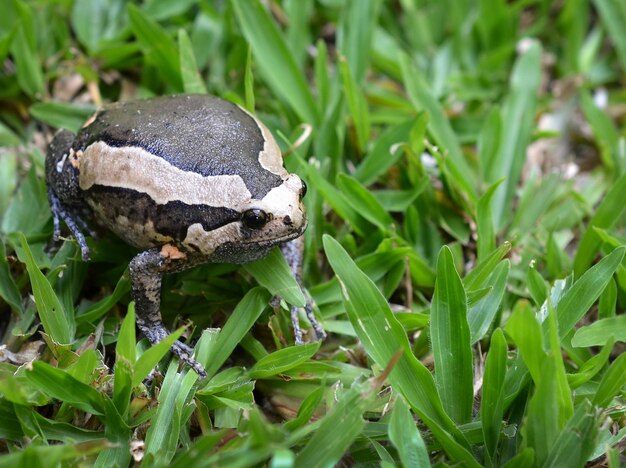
578 299
273 273
613 16
357 105
477 278
612 382
422 98
55 320
27 65
484 222
608 212
603 129
337 431
591 367
575 443
57 383
8 289
355 34
157 44
151 357
481 315
124 362
364 203
381 157
492 402
526 333
238 324
274 59
518 114
600 332
283 360
405 436
608 301
382 337
450 337
162 437
62 114
189 73
541 428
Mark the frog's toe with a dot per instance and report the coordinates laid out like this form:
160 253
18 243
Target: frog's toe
317 327
185 353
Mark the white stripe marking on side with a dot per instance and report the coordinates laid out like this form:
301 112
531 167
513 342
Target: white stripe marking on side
135 168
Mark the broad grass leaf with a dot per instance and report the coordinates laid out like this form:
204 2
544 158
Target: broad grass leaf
274 59
8 289
189 73
364 203
613 16
575 442
601 332
518 112
273 273
477 278
162 436
608 212
612 382
381 157
282 360
406 438
450 338
357 105
238 324
382 337
578 299
526 333
481 315
59 384
158 46
591 367
151 357
336 432
423 98
62 114
541 427
484 222
27 63
492 401
357 25
57 323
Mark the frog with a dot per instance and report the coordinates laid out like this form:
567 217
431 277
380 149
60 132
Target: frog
186 180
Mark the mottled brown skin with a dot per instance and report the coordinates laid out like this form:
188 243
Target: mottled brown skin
196 135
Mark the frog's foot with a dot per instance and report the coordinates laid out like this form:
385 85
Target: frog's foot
185 353
72 221
320 334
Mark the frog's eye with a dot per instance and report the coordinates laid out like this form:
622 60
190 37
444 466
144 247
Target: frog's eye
255 218
303 189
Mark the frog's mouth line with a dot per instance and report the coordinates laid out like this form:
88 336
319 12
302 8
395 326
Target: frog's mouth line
276 240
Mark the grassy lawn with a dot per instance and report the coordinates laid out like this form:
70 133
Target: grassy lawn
466 171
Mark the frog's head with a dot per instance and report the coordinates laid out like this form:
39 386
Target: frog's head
262 223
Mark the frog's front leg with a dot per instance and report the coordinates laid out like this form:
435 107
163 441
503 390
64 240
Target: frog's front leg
146 273
293 251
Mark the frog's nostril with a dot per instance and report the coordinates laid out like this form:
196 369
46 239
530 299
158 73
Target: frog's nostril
287 220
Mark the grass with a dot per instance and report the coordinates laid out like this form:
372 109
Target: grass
466 166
